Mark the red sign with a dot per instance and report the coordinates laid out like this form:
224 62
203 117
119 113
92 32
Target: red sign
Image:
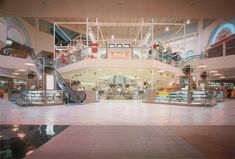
223 34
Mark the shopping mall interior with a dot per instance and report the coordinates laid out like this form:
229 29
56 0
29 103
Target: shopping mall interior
117 79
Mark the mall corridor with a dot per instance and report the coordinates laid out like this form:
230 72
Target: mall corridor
117 79
131 129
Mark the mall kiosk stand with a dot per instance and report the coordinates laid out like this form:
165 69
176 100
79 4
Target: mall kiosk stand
187 95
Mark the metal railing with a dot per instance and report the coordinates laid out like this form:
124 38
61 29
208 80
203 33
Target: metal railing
118 53
71 95
192 58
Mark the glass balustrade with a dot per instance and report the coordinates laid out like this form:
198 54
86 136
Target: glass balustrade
136 53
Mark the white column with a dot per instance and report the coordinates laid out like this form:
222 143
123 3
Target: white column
200 36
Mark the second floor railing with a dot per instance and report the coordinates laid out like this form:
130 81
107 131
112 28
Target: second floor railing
118 53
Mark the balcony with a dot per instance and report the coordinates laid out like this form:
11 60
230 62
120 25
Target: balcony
117 58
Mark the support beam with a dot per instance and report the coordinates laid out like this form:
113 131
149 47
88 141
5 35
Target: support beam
119 24
101 33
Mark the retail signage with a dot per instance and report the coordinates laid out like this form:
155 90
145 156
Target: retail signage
223 34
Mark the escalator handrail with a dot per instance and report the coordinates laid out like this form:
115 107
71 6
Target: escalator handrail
153 83
68 88
60 79
200 56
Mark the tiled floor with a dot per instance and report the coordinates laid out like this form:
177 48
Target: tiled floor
131 129
117 142
119 113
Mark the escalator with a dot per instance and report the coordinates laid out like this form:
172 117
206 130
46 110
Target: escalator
152 85
69 94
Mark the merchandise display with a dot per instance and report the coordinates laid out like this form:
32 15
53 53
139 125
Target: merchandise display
179 97
185 98
49 97
162 96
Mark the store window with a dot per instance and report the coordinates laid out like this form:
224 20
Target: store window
111 45
119 45
127 45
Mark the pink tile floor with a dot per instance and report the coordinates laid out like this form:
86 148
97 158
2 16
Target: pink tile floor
131 130
118 113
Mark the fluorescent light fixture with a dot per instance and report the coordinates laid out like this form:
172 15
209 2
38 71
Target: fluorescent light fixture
161 71
140 70
188 21
21 70
213 71
202 66
222 77
15 73
217 74
167 28
29 64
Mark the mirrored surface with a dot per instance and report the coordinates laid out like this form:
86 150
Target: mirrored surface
18 141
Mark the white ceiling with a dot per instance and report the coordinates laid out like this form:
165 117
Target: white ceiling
119 8
122 32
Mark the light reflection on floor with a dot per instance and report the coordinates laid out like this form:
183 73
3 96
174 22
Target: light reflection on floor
118 113
18 141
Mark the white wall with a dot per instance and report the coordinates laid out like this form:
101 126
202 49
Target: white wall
178 45
2 32
217 63
21 31
208 31
40 40
197 42
13 62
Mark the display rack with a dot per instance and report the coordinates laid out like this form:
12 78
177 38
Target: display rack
41 98
191 98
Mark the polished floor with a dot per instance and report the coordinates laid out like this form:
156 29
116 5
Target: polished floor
118 113
130 130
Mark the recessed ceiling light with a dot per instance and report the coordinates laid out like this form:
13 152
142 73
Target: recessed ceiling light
217 74
167 28
202 66
161 71
29 64
213 71
21 70
112 37
15 73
